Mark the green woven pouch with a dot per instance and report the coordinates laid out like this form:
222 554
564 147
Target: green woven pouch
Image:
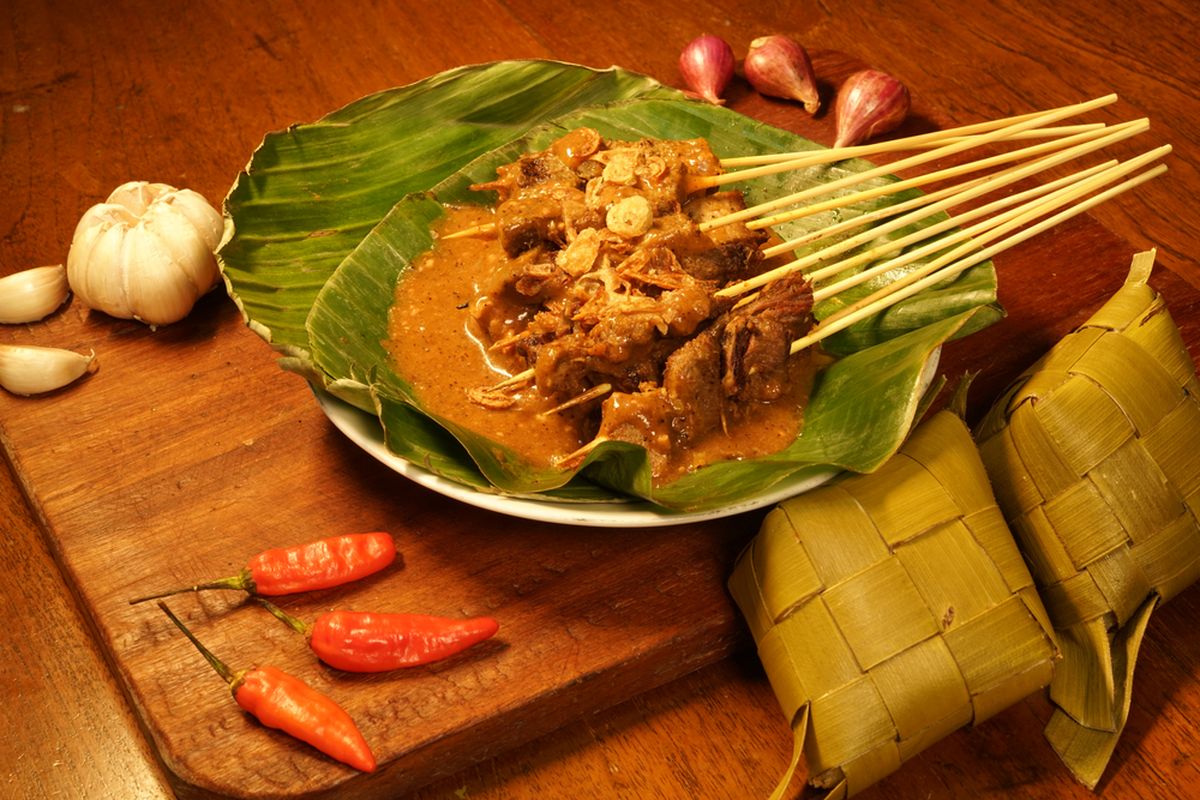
1093 456
891 609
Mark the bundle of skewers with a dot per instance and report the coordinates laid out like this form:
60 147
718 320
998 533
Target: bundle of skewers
960 241
935 225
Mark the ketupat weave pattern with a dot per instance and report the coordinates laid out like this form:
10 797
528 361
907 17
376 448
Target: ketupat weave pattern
1093 455
891 609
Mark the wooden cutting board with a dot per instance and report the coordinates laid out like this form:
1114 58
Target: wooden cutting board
189 450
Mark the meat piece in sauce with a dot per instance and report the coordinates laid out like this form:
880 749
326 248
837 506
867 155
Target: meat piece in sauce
586 303
515 293
530 170
543 200
634 317
757 339
727 253
741 359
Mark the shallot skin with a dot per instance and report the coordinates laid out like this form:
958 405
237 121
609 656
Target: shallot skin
706 64
779 66
869 104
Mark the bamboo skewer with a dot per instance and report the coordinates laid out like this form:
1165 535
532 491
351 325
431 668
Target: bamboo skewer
576 456
958 195
774 163
487 228
911 142
956 235
516 379
996 135
1097 138
885 212
593 393
886 298
1060 191
1080 143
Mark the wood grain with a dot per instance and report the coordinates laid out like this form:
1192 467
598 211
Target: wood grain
189 443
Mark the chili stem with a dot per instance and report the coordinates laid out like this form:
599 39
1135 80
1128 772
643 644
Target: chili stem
216 663
242 581
298 625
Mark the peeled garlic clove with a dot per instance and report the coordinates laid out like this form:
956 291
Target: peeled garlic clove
32 294
147 253
870 103
706 65
27 369
779 66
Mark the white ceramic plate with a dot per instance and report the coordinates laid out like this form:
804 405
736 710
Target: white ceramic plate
364 430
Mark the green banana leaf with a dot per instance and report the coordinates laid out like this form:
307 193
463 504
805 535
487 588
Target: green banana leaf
862 406
312 192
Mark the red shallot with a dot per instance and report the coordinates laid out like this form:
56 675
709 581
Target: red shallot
870 103
779 66
706 65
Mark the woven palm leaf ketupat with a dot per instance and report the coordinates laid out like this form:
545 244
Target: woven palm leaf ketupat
891 609
1093 455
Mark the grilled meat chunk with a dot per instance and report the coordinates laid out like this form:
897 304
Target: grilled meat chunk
740 359
588 299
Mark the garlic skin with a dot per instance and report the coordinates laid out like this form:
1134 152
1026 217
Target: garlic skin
146 253
706 64
869 104
28 370
32 294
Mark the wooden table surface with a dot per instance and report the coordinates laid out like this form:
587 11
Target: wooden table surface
92 95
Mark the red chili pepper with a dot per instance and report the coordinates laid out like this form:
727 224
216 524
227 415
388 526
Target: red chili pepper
305 567
360 641
283 701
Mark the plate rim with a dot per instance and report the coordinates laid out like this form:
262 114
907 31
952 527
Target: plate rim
365 431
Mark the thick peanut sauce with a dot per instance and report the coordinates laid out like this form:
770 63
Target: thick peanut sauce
439 349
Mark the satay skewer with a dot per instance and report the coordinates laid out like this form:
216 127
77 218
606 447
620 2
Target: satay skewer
774 163
999 134
1064 136
1021 126
1075 145
917 141
953 264
969 192
948 267
959 260
975 236
1082 139
1045 199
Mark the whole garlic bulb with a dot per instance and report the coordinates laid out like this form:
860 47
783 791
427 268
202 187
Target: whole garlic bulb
146 253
